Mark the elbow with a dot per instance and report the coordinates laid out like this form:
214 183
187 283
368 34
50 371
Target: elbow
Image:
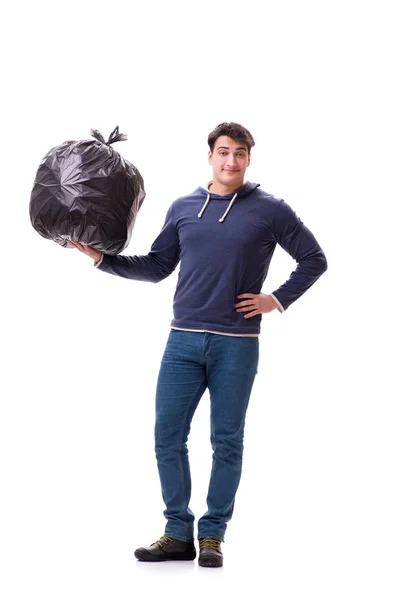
322 263
161 268
157 278
317 262
161 274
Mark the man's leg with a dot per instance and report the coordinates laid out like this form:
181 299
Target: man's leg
231 369
181 384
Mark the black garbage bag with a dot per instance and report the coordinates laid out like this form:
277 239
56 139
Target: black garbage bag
87 192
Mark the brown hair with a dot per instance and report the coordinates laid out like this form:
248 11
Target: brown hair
233 130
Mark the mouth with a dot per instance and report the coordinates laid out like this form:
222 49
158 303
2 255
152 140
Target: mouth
230 171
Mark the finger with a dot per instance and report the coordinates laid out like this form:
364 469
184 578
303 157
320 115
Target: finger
247 295
80 246
248 306
252 314
245 303
245 309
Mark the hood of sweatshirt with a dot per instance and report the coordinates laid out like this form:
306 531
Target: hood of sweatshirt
244 190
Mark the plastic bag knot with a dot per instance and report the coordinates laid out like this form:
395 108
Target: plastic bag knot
115 136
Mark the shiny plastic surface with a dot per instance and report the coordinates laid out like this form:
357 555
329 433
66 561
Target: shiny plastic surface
87 192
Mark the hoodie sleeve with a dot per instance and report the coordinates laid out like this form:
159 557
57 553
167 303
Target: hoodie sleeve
298 241
154 266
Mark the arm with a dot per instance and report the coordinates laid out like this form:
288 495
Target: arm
298 241
154 266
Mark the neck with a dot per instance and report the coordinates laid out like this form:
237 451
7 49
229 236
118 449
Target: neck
223 190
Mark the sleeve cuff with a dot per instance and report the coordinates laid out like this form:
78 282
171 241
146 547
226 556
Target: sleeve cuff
96 264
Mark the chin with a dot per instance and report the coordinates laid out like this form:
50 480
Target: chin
232 181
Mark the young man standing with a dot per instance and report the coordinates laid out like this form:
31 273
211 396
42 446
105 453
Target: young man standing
224 236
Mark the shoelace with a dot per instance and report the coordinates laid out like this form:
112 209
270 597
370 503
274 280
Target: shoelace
210 543
164 539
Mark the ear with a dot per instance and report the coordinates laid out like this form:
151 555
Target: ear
209 157
248 160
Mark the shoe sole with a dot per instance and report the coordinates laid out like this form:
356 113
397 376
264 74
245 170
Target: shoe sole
147 557
209 563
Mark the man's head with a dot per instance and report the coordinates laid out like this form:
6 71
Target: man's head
229 154
235 132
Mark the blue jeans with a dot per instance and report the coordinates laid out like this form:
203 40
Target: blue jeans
191 363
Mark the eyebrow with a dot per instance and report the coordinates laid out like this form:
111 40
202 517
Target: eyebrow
227 148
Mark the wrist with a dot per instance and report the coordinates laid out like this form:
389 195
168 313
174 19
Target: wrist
277 304
98 259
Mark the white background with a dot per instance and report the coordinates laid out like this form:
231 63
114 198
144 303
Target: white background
317 513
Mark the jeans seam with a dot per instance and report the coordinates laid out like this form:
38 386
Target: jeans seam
212 337
203 350
181 467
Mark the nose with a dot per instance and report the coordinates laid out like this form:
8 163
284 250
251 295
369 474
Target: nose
231 162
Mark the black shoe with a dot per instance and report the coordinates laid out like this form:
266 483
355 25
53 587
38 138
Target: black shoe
210 553
166 548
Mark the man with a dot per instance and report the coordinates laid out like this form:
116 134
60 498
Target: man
224 236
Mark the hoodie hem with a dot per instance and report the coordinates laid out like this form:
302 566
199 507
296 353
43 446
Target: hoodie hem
217 330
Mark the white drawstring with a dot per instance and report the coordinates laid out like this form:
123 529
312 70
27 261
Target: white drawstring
221 220
228 209
204 207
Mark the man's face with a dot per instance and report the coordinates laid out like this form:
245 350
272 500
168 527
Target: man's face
229 161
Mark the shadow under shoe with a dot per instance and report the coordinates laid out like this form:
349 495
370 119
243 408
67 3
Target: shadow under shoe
167 548
210 553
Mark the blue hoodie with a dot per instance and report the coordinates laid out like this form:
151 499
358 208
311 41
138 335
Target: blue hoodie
224 245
